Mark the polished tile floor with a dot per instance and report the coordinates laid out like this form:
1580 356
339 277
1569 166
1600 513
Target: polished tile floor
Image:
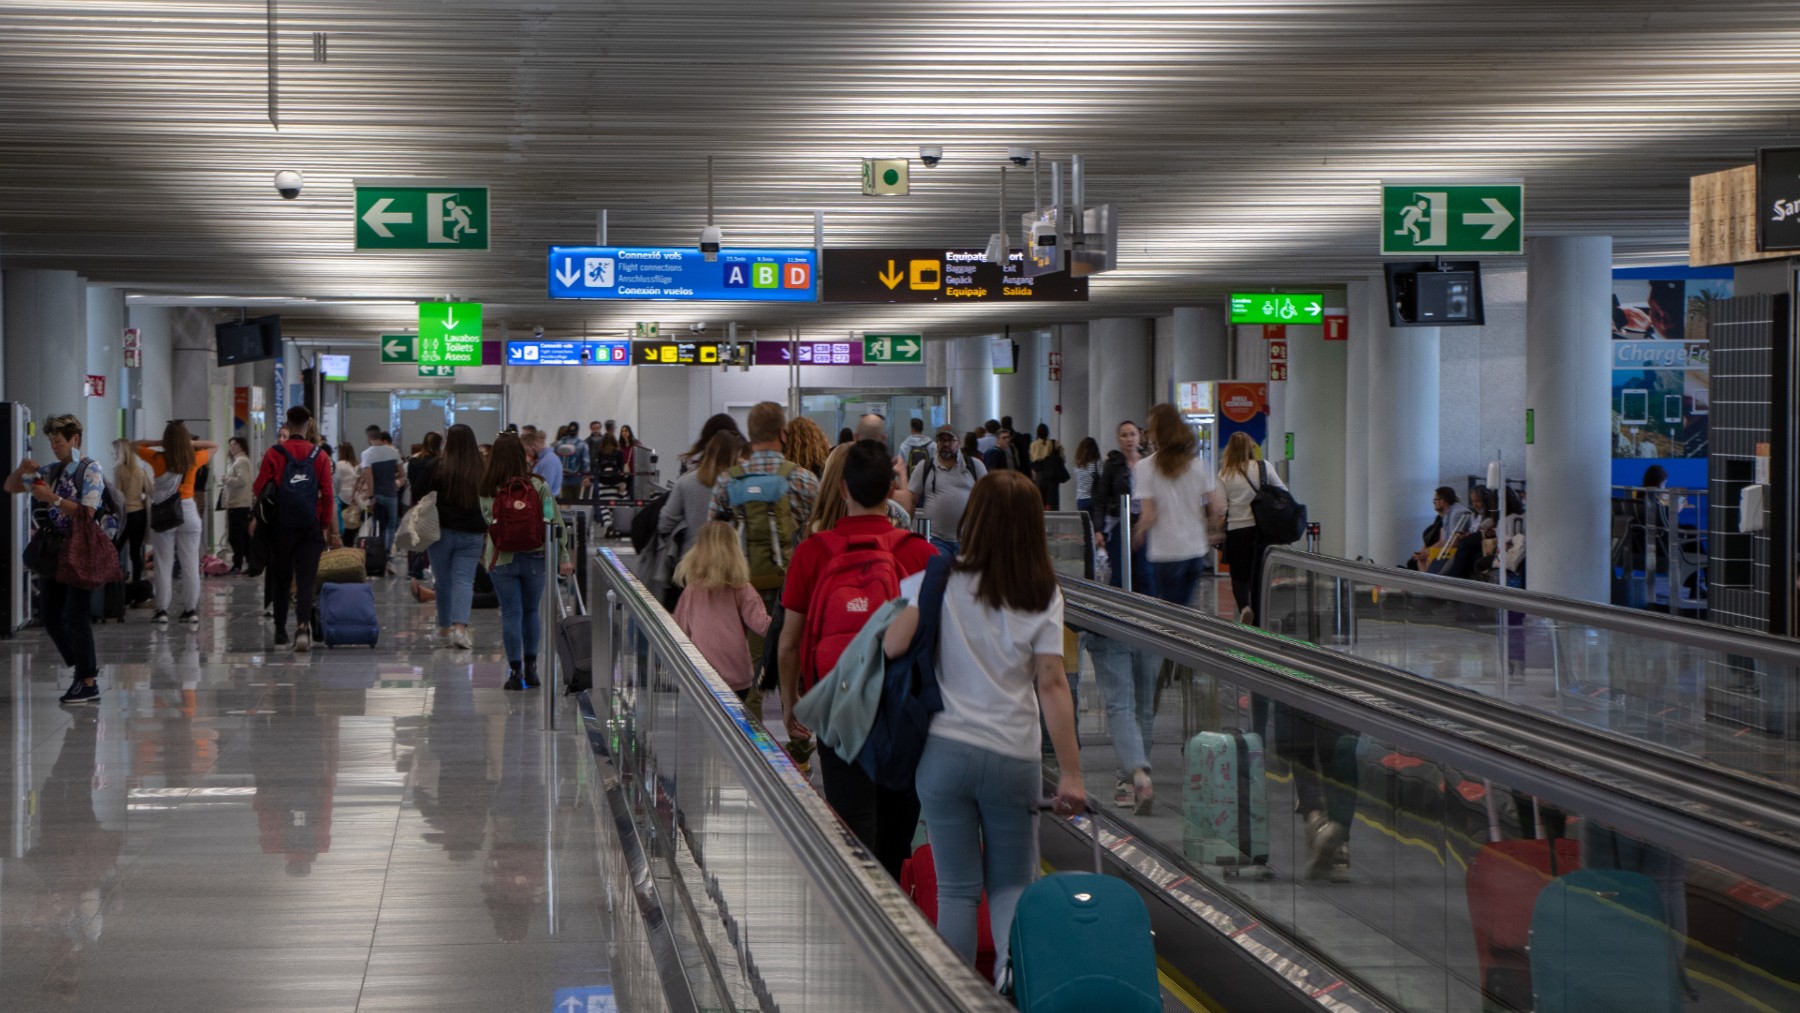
236 827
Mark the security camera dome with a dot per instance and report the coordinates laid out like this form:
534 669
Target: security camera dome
931 154
288 184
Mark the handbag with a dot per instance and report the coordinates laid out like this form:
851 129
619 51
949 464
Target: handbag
44 551
351 515
165 506
419 528
1280 519
89 559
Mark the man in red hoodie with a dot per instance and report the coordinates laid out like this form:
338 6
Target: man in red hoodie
302 525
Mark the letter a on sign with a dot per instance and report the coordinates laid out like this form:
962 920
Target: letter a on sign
736 276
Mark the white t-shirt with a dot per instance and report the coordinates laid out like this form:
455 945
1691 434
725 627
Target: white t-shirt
987 668
1239 491
1180 529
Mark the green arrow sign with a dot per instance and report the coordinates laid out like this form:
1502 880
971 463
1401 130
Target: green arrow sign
438 371
420 214
893 348
449 334
1277 308
1432 219
398 348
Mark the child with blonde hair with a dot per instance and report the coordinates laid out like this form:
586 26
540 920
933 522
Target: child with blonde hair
719 605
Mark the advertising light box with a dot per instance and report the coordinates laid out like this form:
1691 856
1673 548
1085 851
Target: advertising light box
738 275
1277 307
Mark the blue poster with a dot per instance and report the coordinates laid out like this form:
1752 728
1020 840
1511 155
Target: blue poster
1661 381
626 272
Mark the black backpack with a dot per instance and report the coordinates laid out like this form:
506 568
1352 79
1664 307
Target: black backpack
296 491
914 455
1280 520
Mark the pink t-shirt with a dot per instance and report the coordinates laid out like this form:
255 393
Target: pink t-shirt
715 619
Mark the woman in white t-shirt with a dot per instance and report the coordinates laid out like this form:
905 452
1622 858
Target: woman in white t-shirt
1000 653
1182 508
1240 475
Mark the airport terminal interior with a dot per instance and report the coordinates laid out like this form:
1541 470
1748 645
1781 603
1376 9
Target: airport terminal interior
416 416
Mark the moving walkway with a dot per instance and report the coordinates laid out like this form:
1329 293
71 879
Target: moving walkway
733 887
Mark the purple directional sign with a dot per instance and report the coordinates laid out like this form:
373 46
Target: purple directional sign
810 353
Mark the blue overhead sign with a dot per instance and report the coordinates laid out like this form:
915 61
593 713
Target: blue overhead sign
568 353
627 272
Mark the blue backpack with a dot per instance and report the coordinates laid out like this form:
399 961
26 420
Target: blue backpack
909 693
297 491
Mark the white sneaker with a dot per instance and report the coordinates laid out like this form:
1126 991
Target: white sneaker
459 639
1245 615
302 641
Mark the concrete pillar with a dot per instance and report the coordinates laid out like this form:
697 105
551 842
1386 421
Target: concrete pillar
974 396
1315 415
193 358
1015 390
937 363
1362 300
1035 356
156 378
1119 351
1568 382
105 334
1403 436
1200 345
46 350
1072 341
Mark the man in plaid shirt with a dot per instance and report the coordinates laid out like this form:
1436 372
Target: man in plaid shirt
768 424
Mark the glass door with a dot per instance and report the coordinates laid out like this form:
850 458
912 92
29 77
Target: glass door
838 408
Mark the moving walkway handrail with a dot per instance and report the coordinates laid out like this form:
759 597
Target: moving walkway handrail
1710 812
914 967
1651 626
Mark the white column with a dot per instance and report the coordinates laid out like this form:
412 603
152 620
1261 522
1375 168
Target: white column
1015 389
937 363
193 357
1072 339
1035 357
1403 436
1119 350
1200 344
1568 383
156 378
1315 415
1362 300
105 334
46 348
974 397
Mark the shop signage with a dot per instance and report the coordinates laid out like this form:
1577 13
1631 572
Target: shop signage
398 348
449 334
931 274
1439 219
1778 199
619 272
438 372
1277 307
568 353
420 214
880 349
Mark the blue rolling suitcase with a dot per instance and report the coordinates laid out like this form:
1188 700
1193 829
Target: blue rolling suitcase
1224 804
1599 945
1081 942
346 614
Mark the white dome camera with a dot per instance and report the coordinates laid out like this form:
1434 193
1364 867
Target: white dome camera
710 238
1019 156
288 184
931 155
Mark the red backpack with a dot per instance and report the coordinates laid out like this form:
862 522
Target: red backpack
518 524
863 575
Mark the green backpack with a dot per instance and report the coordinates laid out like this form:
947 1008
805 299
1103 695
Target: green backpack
765 521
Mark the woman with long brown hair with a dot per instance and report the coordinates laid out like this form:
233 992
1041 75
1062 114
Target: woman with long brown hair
1183 514
518 575
1241 473
999 657
462 531
689 505
805 444
175 460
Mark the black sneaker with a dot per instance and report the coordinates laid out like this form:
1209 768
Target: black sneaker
190 618
161 618
280 637
531 672
82 692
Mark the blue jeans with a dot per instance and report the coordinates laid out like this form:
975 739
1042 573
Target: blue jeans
1143 579
454 557
1127 676
1176 580
945 546
520 587
387 512
978 810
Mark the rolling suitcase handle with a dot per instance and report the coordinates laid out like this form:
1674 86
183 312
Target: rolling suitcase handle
1044 805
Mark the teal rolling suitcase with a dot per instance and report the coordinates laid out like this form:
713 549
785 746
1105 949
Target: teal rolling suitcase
1599 945
1081 942
1224 804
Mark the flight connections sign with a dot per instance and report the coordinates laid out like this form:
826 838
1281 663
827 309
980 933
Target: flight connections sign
739 275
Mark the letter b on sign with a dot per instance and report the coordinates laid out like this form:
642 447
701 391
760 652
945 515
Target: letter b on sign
765 275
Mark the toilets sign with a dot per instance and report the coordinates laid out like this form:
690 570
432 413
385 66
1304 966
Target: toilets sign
1435 219
420 214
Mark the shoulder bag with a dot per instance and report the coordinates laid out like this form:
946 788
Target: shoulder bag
165 504
89 559
1280 520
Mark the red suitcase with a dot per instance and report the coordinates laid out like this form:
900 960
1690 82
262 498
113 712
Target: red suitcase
918 880
1503 883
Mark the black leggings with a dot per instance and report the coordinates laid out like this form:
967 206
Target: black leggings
238 519
294 556
71 628
883 819
1243 553
137 528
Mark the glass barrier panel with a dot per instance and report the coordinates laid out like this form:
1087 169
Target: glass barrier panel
1422 881
1732 709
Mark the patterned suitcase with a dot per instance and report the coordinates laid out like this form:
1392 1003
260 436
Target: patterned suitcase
1225 803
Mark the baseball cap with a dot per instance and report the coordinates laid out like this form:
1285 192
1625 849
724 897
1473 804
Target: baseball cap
946 431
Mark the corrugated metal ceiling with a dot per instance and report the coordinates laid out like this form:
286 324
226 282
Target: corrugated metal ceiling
1242 141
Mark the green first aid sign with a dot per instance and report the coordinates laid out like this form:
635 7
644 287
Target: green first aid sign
1434 219
410 214
449 334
